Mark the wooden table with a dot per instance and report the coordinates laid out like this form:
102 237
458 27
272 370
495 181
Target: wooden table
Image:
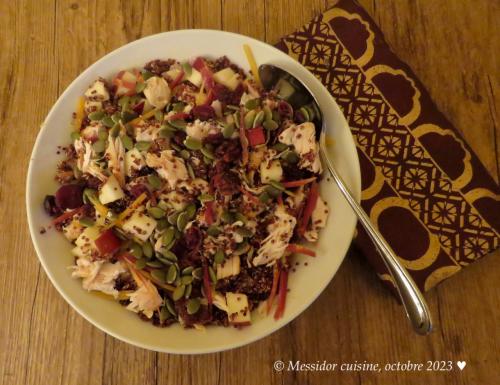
452 45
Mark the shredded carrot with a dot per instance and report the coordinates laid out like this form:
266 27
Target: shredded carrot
80 110
294 248
130 209
298 183
252 63
243 138
67 215
312 199
282 294
276 275
145 116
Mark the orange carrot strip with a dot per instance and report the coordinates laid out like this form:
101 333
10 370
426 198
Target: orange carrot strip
276 275
312 199
294 248
298 183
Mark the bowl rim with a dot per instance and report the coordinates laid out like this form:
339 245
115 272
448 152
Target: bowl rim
355 187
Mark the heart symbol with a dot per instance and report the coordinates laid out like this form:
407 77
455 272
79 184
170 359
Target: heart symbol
461 364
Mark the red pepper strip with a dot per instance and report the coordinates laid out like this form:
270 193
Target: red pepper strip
256 136
282 294
276 276
210 98
206 74
298 183
312 199
178 115
209 213
174 83
294 248
243 137
206 283
67 215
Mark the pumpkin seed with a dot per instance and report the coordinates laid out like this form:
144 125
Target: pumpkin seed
244 232
249 118
268 114
175 147
190 211
143 145
252 103
232 107
116 117
259 118
185 154
264 197
164 261
147 250
228 130
108 121
213 231
146 74
219 256
159 116
136 250
75 135
187 270
290 157
227 217
178 107
171 274
270 125
124 102
187 293
169 256
272 191
139 87
178 123
182 221
205 198
164 314
276 116
127 116
280 147
197 273
161 224
240 217
166 132
187 279
102 133
277 185
99 146
190 171
178 292
140 263
242 248
86 222
159 275
172 218
212 274
207 161
96 115
192 143
168 236
156 212
207 153
305 114
170 306
154 264
127 142
193 305
154 181
236 119
115 130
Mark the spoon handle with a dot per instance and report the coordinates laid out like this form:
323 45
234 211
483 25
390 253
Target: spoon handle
411 297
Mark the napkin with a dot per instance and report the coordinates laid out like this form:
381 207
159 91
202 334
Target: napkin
422 185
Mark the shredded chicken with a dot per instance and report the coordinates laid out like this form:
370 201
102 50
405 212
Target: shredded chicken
98 275
168 166
97 91
303 138
200 130
318 220
146 299
115 153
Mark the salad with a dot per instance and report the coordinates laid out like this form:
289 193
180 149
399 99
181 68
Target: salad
187 189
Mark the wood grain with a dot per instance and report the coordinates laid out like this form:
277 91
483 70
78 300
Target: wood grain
452 46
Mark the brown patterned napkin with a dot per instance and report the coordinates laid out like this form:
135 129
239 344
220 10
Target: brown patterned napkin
422 185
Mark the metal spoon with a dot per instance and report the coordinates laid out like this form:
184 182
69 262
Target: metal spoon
298 95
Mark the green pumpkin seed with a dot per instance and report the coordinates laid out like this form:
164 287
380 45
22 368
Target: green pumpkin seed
193 305
164 261
168 236
140 263
236 119
219 256
99 146
86 222
161 224
190 171
270 125
232 107
259 118
276 116
264 197
75 135
143 145
171 274
159 275
146 74
280 147
198 273
116 117
127 116
166 132
192 143
244 232
205 198
139 87
242 248
170 307
277 185
164 314
190 211
272 191
249 118
241 217
108 121
305 114
185 154
178 292
124 102
136 250
182 221
228 130
172 218
268 114
187 279
178 123
207 160
102 133
187 270
178 107
155 264
212 274
213 231
147 250
127 142
252 103
156 212
207 153
227 217
290 157
115 130
96 115
187 293
154 181
169 256
159 116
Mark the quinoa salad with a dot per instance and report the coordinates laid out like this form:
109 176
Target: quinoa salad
187 190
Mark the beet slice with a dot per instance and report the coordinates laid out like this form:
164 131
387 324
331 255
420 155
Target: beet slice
69 196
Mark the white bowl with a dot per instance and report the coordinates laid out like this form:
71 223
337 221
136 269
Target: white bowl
54 251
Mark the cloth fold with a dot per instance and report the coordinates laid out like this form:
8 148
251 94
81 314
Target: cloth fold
422 185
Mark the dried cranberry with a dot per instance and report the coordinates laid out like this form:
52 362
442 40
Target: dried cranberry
214 139
203 112
69 196
285 109
229 151
225 95
192 238
179 137
49 204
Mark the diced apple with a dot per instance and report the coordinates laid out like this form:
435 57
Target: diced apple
97 91
238 309
173 73
139 225
271 171
134 161
195 77
228 78
86 241
110 191
229 268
